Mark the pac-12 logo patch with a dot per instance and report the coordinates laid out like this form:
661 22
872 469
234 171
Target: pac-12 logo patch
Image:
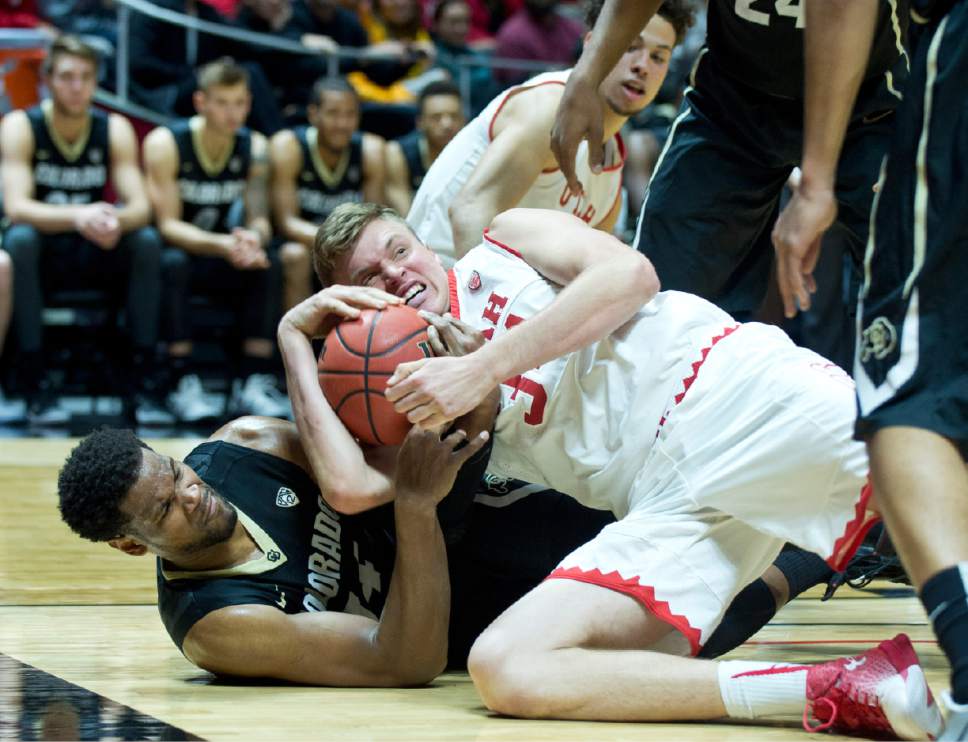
474 282
286 498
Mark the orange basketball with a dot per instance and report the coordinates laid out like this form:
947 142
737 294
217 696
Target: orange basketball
357 359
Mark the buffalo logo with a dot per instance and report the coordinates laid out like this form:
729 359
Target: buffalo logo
474 282
353 173
235 164
273 556
96 156
286 498
878 340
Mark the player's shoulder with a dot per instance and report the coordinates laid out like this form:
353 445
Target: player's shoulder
269 435
258 144
529 106
15 124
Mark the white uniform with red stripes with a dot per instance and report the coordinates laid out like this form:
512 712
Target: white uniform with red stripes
713 443
453 167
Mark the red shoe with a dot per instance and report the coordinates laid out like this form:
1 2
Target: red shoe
880 691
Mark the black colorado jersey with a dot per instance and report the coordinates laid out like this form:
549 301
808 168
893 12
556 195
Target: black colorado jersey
64 173
320 190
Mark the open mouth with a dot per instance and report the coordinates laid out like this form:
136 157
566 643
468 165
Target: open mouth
633 89
413 293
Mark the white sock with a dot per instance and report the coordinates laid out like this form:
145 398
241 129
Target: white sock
754 689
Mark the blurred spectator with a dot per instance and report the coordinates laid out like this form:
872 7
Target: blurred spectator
95 21
290 75
314 169
440 115
452 19
539 33
19 14
394 30
326 26
485 20
163 59
198 169
64 234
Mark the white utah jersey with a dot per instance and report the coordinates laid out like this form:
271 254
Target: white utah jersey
585 423
453 167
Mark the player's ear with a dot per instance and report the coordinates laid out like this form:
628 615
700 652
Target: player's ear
198 100
129 546
588 36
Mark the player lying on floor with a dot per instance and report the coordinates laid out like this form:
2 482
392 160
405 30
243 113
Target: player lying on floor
712 442
259 576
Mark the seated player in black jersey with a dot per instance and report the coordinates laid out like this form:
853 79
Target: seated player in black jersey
198 170
440 115
61 231
314 169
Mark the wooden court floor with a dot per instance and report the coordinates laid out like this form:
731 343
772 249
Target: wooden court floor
76 616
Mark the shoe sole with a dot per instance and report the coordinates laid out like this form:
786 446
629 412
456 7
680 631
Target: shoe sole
906 698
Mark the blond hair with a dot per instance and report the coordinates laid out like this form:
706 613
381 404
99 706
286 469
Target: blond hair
341 231
223 72
67 45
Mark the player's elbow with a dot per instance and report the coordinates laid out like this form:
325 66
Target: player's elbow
641 275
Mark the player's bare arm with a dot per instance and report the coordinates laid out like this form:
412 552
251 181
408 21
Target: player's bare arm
279 438
579 115
161 170
518 152
407 646
133 211
604 282
346 478
398 193
257 191
19 204
836 50
286 163
374 175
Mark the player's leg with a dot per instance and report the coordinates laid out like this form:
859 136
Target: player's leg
713 197
10 410
297 273
912 361
593 644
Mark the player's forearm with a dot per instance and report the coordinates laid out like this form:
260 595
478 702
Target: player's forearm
468 220
299 230
193 240
348 483
134 214
837 47
619 22
599 300
260 225
412 635
46 218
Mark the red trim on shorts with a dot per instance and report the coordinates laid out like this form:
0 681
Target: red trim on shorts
696 365
642 593
846 546
493 241
452 288
510 94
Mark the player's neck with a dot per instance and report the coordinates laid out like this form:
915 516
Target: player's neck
214 143
611 123
70 128
329 155
237 549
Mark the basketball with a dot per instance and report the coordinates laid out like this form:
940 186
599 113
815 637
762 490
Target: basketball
358 357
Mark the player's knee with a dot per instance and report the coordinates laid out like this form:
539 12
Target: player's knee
6 271
22 241
145 245
175 266
294 256
501 673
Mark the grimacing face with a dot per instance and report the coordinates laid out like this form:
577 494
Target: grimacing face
389 256
173 512
635 81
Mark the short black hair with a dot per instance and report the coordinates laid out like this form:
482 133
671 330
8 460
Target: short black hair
330 84
680 13
95 479
438 87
